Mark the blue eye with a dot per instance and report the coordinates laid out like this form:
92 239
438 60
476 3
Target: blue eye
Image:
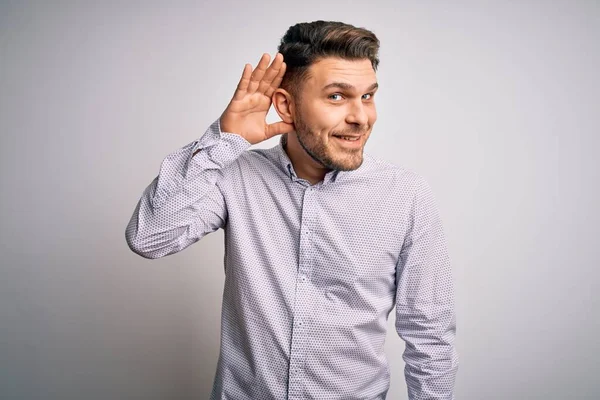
368 94
335 94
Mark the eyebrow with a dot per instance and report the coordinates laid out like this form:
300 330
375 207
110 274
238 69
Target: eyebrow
346 86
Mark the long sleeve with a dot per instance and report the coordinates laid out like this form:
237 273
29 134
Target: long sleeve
185 201
425 315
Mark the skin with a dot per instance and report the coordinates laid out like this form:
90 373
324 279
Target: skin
336 98
246 113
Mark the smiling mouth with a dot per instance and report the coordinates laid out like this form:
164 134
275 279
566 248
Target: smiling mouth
348 138
349 141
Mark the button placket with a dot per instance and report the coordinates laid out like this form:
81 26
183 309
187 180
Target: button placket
303 298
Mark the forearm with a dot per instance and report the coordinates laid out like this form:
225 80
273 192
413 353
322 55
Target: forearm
430 356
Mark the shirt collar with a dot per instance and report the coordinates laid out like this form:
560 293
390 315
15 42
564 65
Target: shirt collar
288 167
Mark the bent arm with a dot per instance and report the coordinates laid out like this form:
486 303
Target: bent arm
185 201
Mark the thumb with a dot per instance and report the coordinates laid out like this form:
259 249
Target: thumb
278 128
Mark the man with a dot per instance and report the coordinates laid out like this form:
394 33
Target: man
321 240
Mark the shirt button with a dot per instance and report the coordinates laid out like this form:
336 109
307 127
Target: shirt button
300 323
303 278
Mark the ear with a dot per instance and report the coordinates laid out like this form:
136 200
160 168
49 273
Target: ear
284 105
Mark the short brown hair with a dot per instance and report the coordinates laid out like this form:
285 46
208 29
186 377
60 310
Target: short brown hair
307 42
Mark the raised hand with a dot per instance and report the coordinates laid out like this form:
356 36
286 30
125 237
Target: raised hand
247 111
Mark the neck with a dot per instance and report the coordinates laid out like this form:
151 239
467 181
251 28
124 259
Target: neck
304 165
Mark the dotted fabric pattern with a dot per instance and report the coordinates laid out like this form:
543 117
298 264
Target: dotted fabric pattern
312 272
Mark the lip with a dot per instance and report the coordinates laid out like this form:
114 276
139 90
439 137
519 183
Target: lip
350 144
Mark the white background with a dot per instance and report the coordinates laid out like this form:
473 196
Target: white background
495 103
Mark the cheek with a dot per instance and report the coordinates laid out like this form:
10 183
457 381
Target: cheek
372 114
333 118
325 119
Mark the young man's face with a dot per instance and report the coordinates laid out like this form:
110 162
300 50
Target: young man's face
336 99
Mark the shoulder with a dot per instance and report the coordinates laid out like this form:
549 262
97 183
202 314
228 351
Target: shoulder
404 179
252 162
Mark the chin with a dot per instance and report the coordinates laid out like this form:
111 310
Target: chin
347 166
351 167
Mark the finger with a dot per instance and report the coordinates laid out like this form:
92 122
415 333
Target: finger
258 73
244 81
278 128
277 81
271 73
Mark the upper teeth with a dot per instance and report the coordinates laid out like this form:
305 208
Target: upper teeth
349 137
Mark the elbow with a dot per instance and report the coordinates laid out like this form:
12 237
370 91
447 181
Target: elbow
152 246
139 250
138 245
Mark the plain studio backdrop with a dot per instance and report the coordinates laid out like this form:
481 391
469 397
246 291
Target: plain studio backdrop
495 103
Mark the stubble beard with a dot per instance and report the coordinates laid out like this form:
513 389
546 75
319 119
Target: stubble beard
348 160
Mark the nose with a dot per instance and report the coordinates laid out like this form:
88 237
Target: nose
357 114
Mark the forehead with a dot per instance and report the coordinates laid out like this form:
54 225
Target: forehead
358 73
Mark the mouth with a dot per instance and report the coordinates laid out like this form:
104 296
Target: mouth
351 141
